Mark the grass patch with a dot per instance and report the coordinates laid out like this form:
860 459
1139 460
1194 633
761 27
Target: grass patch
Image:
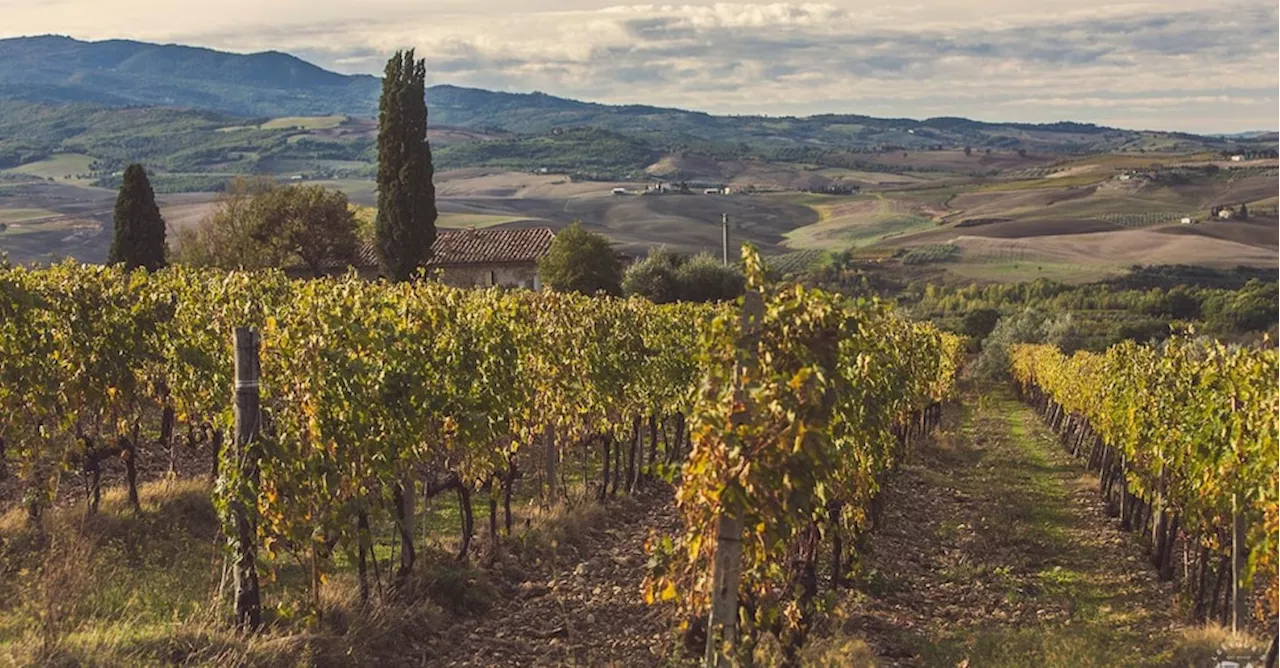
869 221
149 588
59 167
303 123
1015 571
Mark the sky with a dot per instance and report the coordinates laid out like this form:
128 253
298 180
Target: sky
1184 65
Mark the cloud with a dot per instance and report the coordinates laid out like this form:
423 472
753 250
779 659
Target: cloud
1180 64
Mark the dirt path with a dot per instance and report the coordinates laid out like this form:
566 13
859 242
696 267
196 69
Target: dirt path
996 552
585 609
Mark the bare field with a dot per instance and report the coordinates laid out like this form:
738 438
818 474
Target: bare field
999 227
687 223
185 212
769 175
517 185
1264 232
1119 248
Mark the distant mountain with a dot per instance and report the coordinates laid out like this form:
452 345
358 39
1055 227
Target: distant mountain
678 129
54 71
57 69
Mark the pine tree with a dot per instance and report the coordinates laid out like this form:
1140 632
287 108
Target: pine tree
406 222
138 240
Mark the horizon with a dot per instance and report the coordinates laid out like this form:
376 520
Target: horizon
1009 121
1174 67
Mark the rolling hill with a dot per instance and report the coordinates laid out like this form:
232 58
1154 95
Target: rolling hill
999 201
55 70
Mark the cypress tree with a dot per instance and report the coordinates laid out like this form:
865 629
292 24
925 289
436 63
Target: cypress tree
138 240
406 222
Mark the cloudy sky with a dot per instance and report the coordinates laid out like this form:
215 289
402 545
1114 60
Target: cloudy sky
1168 64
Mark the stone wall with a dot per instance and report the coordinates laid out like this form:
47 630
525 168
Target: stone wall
483 275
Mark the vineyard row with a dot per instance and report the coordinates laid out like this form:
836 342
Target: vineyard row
1184 437
354 398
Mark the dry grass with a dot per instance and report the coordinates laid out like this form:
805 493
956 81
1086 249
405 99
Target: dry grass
303 122
1201 646
1120 248
125 588
1054 181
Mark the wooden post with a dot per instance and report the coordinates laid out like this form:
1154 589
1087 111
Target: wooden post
406 508
1158 520
244 541
549 438
1239 564
722 628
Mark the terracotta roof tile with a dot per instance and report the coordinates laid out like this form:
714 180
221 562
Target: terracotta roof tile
453 247
471 246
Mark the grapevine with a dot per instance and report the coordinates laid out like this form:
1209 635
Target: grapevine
1184 435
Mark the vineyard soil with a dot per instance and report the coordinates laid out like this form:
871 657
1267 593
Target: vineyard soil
997 552
582 607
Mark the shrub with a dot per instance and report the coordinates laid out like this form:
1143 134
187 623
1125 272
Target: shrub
655 277
665 277
705 279
583 262
978 323
1028 326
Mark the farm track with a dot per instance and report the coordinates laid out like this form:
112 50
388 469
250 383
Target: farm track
996 551
585 608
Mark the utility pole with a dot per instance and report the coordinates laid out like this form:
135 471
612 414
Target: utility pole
724 237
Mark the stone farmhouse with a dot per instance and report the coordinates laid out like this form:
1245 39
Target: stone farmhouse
474 257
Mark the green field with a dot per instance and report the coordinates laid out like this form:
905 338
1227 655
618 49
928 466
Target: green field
854 222
60 167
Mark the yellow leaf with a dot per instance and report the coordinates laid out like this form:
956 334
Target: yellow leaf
669 592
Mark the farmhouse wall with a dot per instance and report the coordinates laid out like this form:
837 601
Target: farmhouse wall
516 275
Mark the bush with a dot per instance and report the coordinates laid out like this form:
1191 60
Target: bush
1029 326
665 277
978 323
654 278
1142 331
1179 303
705 279
583 262
1251 308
